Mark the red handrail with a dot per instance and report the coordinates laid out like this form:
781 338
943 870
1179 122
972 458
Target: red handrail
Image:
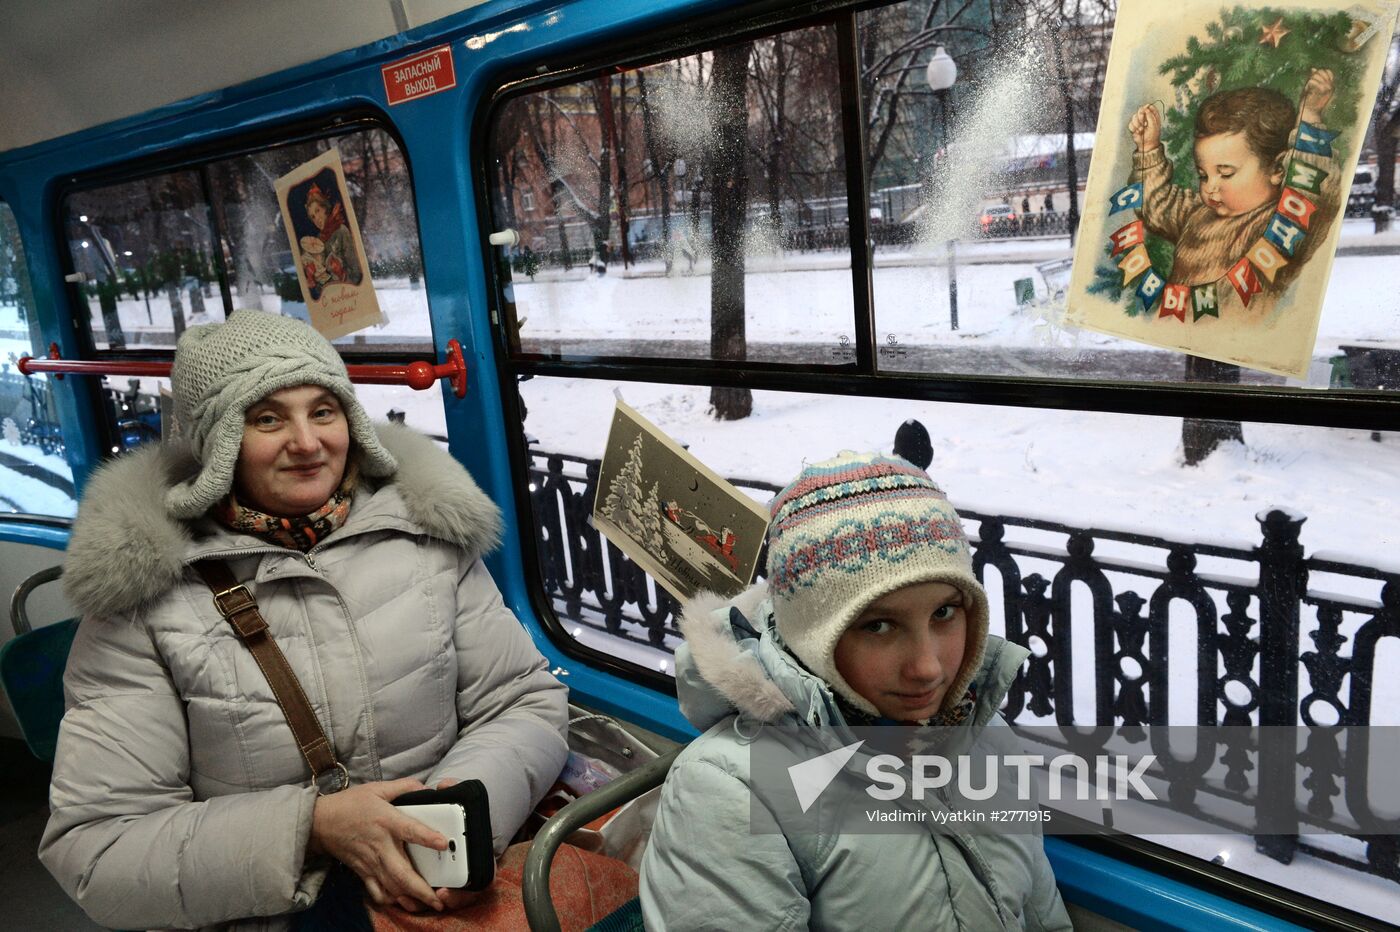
419 376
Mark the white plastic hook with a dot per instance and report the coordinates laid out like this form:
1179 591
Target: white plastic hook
506 237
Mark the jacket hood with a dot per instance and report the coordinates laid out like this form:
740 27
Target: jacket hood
127 551
733 661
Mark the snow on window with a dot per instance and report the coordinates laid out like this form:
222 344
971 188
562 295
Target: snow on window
694 208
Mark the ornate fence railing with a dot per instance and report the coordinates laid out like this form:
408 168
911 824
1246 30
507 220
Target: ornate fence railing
1241 608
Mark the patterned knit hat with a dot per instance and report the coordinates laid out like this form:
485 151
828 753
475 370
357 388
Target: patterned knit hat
851 530
223 369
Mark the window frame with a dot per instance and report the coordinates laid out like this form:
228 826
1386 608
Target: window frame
196 158
1342 408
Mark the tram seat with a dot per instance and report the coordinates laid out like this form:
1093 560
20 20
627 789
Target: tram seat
31 668
539 909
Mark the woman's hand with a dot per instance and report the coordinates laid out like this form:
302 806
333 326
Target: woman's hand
1146 127
454 899
1317 94
359 828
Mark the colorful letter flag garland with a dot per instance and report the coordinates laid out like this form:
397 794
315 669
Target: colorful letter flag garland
1282 238
1125 197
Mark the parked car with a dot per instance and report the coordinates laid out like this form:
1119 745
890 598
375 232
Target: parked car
1363 192
998 220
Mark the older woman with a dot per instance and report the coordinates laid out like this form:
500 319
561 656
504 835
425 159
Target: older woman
180 797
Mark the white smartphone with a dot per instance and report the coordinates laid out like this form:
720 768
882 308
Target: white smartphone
447 868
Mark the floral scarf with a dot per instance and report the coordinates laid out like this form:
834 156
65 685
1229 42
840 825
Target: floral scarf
301 533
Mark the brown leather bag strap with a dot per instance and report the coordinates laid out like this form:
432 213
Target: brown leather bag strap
240 610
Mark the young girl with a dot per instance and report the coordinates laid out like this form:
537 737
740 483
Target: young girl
871 615
1244 141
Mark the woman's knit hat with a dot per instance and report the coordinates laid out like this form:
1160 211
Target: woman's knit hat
223 369
851 530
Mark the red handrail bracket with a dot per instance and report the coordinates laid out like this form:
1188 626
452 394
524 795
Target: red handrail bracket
22 364
457 368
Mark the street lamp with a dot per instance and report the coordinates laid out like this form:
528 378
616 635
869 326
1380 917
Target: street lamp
942 73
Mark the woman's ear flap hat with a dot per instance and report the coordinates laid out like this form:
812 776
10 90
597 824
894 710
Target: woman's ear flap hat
221 370
855 528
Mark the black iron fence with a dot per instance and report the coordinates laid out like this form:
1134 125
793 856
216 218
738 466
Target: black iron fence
1241 609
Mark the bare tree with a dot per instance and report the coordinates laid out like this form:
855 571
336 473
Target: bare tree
1385 127
662 158
727 169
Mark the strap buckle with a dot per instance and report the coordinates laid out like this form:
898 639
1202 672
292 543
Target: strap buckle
240 609
338 774
243 597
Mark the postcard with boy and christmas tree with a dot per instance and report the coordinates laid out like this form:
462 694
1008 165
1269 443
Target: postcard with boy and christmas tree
1226 143
678 520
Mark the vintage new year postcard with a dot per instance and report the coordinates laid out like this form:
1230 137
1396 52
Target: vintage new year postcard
682 523
327 250
1226 144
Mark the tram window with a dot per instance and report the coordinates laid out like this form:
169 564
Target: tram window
969 187
639 233
145 250
160 253
34 475
1030 483
1162 506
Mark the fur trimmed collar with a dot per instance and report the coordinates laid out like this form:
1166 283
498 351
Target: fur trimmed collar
728 667
126 550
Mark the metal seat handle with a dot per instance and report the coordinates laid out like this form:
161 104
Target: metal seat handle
539 908
19 618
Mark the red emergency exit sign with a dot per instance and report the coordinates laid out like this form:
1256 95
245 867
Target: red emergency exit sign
420 75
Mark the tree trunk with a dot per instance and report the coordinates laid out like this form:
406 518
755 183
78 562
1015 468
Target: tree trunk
620 159
728 181
778 127
1200 438
1385 178
111 321
177 307
660 166
602 223
1067 92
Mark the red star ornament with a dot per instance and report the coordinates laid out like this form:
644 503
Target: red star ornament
1273 35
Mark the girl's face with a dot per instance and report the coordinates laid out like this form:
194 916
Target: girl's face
1233 179
905 649
292 459
317 213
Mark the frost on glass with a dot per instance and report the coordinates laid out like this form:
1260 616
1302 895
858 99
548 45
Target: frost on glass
165 252
34 476
975 189
694 208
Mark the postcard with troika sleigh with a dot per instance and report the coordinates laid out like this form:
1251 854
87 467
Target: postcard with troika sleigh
678 520
1227 140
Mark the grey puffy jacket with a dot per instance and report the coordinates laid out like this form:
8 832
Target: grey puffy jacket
179 797
719 858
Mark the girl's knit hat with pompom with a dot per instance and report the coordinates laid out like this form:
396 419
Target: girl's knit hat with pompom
221 370
850 530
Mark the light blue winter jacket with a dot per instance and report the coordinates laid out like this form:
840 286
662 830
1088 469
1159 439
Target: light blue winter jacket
709 866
